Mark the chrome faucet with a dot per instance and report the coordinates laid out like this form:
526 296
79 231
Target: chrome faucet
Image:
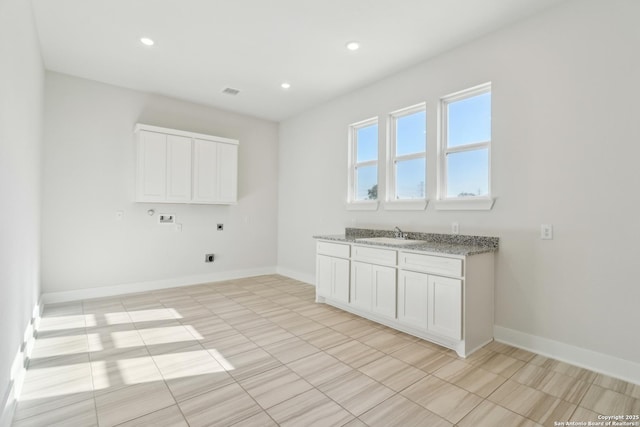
398 234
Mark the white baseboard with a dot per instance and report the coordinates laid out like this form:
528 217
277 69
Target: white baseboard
303 277
19 368
130 288
588 359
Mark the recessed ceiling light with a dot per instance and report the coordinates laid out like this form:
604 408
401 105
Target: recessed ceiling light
285 85
146 41
353 45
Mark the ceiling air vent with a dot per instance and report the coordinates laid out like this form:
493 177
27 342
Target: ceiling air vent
231 91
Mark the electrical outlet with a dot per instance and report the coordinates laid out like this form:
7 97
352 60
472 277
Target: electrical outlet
220 227
546 231
455 228
167 219
209 257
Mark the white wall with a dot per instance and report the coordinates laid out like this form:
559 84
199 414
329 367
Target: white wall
21 99
89 175
565 151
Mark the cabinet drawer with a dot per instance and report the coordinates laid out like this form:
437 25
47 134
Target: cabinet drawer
375 255
333 249
431 264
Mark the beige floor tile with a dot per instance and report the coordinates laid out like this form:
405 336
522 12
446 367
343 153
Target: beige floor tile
174 333
446 400
249 363
132 402
115 373
261 419
53 323
52 346
154 315
63 309
324 338
311 408
401 412
584 415
385 341
617 385
319 368
608 402
531 403
167 417
113 339
56 381
274 386
488 414
356 392
507 350
354 353
265 335
469 377
500 364
563 368
224 406
230 344
191 372
393 373
554 383
427 359
82 413
291 349
355 327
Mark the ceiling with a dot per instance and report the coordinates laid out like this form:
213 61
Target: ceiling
204 46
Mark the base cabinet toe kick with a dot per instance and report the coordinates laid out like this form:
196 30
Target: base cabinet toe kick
443 298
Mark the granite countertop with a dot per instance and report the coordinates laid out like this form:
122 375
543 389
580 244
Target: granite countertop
451 244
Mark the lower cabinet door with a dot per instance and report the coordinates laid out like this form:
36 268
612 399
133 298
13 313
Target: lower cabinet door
413 299
340 289
445 306
361 278
384 291
324 275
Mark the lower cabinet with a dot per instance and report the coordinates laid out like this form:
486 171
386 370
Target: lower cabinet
333 278
373 288
430 303
413 299
445 306
444 299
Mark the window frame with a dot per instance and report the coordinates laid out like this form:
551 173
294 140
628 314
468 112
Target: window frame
445 202
352 202
392 201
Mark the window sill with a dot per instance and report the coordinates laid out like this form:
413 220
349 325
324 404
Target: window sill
363 206
465 204
406 205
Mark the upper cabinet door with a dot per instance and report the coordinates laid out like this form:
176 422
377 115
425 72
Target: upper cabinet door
178 169
151 179
205 161
227 173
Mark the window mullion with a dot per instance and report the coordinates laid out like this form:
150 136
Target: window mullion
467 147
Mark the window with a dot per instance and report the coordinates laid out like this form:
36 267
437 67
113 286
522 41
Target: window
408 154
465 149
363 162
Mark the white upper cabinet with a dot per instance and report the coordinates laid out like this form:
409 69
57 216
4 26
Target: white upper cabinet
151 168
178 169
215 172
175 166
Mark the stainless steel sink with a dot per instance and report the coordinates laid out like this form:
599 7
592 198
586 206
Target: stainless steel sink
390 241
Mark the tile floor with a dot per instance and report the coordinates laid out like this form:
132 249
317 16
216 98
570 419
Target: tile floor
260 352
